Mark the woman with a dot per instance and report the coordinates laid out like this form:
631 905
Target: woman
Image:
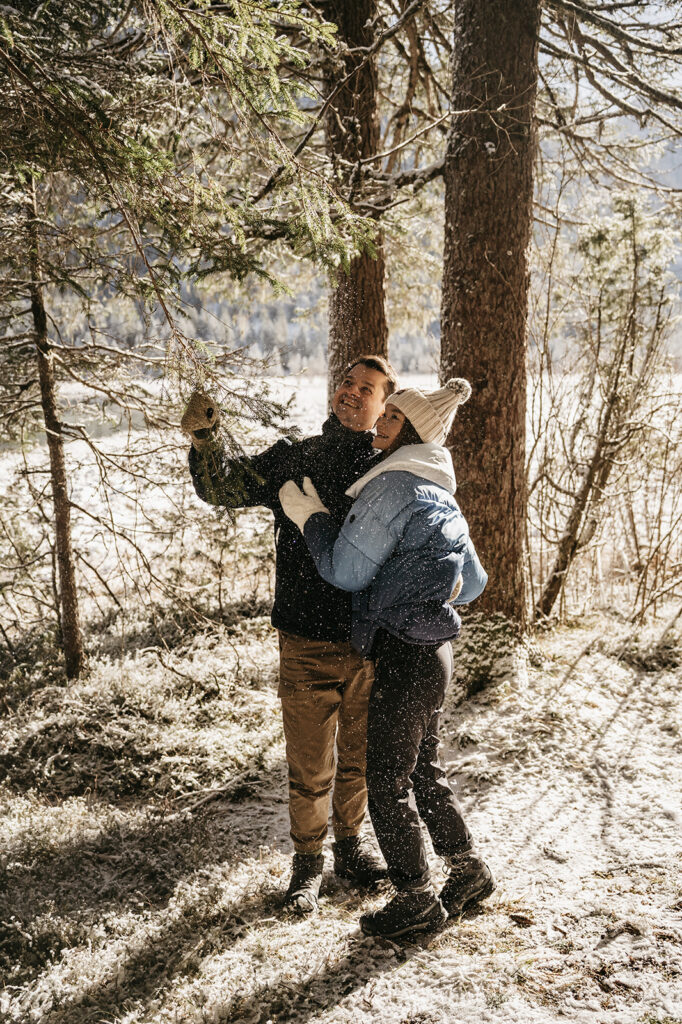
404 550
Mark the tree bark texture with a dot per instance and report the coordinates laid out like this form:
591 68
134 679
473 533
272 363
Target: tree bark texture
357 315
488 219
72 639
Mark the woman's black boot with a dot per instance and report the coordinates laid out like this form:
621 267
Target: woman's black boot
410 910
470 881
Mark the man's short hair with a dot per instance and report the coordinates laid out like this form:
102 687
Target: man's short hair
380 364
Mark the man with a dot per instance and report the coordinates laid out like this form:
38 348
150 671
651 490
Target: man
324 684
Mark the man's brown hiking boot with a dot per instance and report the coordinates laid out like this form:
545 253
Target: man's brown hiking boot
304 887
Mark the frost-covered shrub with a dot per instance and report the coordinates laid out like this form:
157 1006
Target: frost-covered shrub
645 650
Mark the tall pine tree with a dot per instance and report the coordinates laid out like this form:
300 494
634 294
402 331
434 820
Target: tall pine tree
488 216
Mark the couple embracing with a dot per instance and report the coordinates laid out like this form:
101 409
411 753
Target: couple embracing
373 555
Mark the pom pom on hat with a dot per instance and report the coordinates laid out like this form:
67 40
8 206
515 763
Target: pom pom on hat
461 387
431 413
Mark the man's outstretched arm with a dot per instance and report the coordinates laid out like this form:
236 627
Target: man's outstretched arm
242 482
231 482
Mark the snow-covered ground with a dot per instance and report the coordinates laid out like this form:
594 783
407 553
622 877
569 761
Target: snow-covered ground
150 908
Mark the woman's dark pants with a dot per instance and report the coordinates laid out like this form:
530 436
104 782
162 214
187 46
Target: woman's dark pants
405 779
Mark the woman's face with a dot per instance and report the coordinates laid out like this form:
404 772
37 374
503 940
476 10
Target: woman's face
388 427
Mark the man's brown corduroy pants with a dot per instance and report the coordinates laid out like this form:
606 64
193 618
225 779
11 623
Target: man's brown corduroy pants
324 688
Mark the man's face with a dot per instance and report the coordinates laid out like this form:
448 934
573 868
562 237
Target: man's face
359 399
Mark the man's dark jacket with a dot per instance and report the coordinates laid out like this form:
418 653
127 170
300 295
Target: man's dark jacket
304 603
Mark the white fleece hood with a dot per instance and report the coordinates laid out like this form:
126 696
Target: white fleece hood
431 461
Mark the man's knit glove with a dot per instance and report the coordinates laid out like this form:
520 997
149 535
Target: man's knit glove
200 420
299 505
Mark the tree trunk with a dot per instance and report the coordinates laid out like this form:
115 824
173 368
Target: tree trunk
488 218
68 611
357 315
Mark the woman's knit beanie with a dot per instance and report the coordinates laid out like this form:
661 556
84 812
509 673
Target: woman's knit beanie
431 413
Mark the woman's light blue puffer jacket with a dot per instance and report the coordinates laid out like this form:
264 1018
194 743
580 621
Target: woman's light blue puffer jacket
401 549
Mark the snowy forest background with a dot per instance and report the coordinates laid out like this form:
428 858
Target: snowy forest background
205 195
